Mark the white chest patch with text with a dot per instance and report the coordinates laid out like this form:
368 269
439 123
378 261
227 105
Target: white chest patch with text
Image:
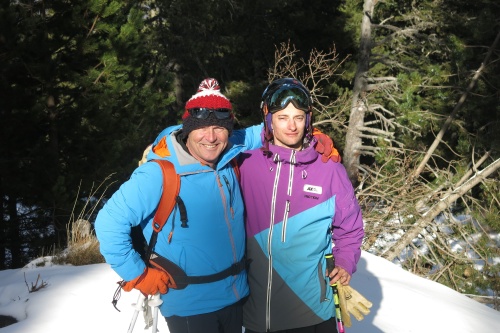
313 189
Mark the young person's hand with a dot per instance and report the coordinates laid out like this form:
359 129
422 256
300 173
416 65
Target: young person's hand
339 275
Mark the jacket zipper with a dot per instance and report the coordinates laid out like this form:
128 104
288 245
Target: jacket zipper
226 217
291 171
285 220
289 192
231 197
269 249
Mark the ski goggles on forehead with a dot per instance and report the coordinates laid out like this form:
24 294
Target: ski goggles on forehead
280 98
203 113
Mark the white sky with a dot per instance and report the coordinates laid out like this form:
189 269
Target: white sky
78 300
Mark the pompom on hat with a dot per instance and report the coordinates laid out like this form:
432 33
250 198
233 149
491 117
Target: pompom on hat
208 96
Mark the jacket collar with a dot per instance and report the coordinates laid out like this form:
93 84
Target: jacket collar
287 155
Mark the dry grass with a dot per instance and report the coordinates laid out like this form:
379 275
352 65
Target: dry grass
83 246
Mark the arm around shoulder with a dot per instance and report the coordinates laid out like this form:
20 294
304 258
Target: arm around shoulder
249 137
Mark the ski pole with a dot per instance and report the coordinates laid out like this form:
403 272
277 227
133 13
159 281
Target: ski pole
330 265
155 302
139 307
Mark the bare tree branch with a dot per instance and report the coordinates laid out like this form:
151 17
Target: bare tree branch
428 217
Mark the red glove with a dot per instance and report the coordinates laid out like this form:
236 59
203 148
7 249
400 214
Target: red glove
325 147
150 282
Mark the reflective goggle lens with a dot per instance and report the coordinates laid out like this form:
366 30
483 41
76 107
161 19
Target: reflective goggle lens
279 99
203 113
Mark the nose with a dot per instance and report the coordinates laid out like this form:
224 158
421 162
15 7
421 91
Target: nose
210 135
292 125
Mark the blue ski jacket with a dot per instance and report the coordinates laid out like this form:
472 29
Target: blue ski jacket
295 205
214 238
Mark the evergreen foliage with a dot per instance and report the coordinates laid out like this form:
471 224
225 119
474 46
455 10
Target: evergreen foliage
79 103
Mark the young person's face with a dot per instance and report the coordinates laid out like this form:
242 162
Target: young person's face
207 143
289 127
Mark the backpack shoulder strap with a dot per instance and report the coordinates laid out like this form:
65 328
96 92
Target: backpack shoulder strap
171 187
236 169
170 193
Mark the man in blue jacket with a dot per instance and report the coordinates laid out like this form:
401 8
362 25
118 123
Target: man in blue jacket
213 239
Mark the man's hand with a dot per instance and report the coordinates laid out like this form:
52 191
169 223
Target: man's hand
352 302
150 282
326 147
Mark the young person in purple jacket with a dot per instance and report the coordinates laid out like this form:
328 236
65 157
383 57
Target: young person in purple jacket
297 208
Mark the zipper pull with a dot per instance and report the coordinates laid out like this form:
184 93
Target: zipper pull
230 195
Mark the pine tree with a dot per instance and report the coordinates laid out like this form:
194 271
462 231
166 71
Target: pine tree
81 98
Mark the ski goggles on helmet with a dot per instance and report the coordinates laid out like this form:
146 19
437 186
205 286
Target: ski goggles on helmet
203 113
285 94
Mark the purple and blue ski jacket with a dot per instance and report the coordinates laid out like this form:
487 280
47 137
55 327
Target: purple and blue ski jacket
296 205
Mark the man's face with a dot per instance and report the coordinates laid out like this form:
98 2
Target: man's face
207 143
288 127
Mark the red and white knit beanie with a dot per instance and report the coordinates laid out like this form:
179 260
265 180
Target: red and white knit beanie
207 96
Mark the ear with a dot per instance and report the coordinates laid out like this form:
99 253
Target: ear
264 109
309 122
268 127
269 121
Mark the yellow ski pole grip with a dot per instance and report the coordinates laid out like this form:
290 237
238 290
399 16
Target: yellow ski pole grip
330 265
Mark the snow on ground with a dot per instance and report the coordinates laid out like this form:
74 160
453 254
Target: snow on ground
78 300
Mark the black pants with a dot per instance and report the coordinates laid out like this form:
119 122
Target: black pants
329 326
225 320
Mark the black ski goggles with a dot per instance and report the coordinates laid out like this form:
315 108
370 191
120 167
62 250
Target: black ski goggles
285 94
203 113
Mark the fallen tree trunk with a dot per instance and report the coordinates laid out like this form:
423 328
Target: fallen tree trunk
428 217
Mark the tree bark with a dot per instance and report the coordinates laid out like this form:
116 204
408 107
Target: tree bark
14 239
359 106
3 233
